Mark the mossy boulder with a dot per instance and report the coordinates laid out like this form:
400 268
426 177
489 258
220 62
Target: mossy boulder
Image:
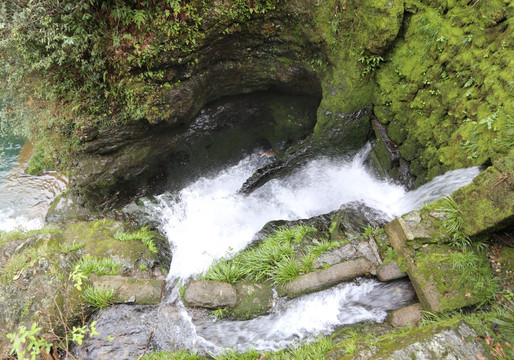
487 204
36 281
255 299
443 277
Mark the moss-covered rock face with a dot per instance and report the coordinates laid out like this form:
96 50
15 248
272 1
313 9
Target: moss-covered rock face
445 88
36 281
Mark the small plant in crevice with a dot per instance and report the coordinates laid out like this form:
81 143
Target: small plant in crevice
26 343
98 297
144 235
453 222
371 62
100 266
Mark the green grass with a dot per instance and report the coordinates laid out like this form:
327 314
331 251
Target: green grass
98 297
276 258
100 266
225 270
453 222
144 235
179 355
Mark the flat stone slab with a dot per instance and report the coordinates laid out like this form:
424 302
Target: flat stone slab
389 271
322 279
130 290
210 294
407 316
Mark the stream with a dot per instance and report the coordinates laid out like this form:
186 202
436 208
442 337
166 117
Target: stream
210 219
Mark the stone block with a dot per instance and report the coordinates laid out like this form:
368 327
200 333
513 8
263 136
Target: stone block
130 290
389 271
210 294
322 279
407 316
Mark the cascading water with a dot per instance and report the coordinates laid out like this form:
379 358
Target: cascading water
209 219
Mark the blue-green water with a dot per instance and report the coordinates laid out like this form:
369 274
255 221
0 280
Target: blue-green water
9 152
24 199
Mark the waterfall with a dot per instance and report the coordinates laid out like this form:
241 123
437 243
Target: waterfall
209 219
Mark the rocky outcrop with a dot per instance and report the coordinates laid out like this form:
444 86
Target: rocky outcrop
42 281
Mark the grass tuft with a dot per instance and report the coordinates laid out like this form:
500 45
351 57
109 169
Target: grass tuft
98 297
100 266
143 235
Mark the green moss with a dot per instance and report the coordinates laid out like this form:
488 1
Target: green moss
445 85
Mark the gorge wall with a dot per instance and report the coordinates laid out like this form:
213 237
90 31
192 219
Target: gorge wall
433 77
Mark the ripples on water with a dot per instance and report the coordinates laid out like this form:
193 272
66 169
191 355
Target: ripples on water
25 199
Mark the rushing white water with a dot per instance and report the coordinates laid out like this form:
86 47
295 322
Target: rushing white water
210 219
310 316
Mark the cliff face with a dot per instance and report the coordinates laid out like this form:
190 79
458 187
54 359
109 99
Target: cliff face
444 91
436 75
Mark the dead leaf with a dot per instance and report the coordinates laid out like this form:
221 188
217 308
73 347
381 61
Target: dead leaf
425 245
489 340
480 357
468 295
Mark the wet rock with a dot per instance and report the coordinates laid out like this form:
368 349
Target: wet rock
351 219
131 290
210 294
407 316
386 159
254 300
458 342
322 279
355 249
389 271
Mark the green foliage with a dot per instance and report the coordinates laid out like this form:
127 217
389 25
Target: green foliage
69 66
219 313
100 266
26 342
14 266
274 259
453 222
39 161
98 297
78 333
144 235
225 270
371 62
77 277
